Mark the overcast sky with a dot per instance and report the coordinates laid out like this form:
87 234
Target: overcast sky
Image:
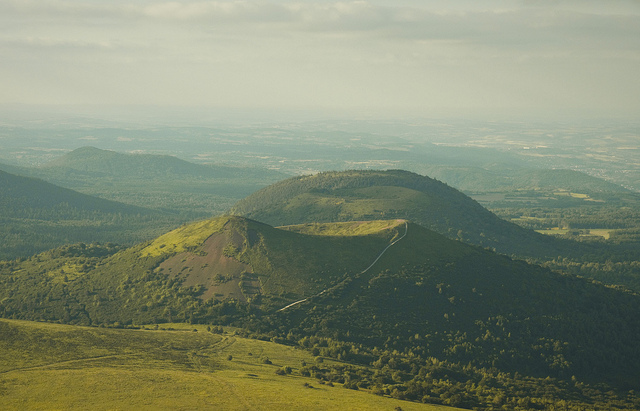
539 56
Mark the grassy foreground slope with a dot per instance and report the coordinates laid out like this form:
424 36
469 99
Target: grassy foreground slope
49 366
371 195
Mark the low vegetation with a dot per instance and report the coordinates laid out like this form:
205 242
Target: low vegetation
175 366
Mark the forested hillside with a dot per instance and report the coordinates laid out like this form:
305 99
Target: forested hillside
36 215
367 195
153 181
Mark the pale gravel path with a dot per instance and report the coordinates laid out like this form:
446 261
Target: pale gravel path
406 230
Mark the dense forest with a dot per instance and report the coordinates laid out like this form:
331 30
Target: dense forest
366 195
159 182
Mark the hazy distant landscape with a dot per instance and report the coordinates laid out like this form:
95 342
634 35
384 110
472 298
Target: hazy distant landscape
320 205
607 150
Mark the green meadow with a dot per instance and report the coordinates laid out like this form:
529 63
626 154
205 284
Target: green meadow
178 366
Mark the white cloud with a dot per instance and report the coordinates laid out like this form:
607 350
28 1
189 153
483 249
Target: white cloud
39 44
519 26
318 53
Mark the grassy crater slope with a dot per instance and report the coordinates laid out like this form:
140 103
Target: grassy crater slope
198 271
371 195
49 366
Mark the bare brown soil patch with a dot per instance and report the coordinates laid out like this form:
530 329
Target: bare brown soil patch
221 276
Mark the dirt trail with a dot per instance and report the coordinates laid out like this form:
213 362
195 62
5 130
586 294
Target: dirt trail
406 230
65 362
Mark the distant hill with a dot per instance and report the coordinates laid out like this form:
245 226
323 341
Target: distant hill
478 179
36 215
20 196
436 297
369 195
153 181
94 161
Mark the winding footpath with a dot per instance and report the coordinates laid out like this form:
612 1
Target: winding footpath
406 229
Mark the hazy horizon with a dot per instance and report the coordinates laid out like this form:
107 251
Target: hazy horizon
497 58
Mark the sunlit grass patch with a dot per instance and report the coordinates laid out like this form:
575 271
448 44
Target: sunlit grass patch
71 367
345 229
183 238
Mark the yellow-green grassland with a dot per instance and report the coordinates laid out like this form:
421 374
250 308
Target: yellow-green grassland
176 366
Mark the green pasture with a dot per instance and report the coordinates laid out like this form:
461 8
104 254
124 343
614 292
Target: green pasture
50 366
588 232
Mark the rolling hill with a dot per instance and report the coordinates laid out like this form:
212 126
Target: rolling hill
19 195
94 161
153 181
369 195
53 366
36 215
476 179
